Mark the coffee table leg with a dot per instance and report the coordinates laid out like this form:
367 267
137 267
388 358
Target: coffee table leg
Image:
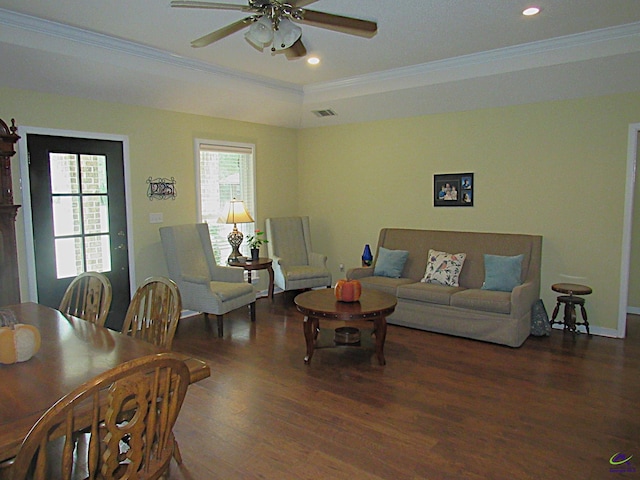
310 334
380 326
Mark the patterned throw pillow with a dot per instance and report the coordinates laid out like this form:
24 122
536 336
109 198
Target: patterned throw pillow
444 268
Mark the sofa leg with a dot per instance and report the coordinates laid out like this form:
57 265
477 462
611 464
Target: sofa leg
220 325
252 310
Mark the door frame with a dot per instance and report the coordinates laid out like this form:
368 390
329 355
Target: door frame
632 158
29 250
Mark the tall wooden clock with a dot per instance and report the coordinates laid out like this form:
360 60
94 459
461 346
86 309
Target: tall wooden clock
9 279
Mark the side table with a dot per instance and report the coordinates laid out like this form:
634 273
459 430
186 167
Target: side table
261 264
570 300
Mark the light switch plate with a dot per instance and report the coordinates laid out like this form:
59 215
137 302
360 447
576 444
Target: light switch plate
155 218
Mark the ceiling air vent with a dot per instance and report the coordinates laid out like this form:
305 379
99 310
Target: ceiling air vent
324 113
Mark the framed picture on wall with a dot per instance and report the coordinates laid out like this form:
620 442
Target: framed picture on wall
453 190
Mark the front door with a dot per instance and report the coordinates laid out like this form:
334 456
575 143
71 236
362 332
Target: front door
79 216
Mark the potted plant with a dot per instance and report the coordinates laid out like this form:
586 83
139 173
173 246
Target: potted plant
254 242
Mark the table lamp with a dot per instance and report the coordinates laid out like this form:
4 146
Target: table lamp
235 212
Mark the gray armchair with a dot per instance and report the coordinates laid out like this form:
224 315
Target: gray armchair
295 265
205 286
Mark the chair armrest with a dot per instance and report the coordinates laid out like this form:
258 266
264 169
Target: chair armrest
359 272
279 262
196 279
522 298
317 259
229 274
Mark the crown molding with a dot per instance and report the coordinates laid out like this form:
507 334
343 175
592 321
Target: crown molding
571 48
120 46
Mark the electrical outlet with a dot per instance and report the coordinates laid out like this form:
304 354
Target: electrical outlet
342 267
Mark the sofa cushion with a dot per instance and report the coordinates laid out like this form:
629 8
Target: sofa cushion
502 273
443 268
384 284
484 300
390 262
427 292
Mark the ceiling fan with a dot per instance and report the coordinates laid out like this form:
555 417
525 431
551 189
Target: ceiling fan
274 22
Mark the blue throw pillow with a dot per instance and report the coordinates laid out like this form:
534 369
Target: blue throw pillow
390 262
502 273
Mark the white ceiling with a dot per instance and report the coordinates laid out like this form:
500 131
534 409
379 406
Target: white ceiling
428 56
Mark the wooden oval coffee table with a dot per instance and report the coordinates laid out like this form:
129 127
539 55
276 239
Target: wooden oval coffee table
316 304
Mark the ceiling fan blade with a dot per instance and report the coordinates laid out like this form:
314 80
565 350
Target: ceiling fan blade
211 5
221 33
352 26
296 50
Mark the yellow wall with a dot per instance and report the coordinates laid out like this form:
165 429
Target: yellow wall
161 144
634 277
556 169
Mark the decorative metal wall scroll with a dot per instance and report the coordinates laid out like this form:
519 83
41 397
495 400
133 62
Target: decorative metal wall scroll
161 188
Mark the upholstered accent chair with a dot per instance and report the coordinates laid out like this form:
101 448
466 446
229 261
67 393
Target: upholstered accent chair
205 286
295 265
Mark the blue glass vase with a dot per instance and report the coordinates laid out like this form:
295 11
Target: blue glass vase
367 257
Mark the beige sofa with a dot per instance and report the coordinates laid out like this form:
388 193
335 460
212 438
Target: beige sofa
467 310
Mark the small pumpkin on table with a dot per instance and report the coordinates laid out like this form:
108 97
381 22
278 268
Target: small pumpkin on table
18 342
348 290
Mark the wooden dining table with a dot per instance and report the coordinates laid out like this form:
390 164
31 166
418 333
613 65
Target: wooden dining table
72 352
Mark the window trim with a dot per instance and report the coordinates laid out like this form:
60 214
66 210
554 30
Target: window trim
231 147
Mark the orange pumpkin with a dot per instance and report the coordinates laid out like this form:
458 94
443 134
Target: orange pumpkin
348 290
18 343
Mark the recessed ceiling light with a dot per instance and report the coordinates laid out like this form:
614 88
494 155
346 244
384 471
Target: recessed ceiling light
531 11
313 60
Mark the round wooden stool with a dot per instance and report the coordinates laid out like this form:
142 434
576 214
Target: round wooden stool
570 301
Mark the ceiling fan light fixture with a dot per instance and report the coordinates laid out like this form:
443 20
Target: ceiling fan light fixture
261 32
274 23
286 35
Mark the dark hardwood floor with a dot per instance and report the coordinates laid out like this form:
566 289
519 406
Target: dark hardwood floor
559 407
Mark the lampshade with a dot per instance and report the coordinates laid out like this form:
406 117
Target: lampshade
261 32
286 35
236 212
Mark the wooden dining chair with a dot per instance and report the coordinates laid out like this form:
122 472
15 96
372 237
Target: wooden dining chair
154 312
149 391
88 296
153 316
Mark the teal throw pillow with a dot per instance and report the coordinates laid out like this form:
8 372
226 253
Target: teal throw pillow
502 273
390 262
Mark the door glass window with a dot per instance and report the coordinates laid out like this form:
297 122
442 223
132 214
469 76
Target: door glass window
80 213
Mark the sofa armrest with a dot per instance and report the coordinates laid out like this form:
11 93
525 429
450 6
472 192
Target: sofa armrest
522 298
359 272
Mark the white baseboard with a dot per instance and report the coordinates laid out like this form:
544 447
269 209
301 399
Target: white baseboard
594 330
633 310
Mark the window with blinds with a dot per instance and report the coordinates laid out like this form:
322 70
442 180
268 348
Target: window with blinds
224 171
